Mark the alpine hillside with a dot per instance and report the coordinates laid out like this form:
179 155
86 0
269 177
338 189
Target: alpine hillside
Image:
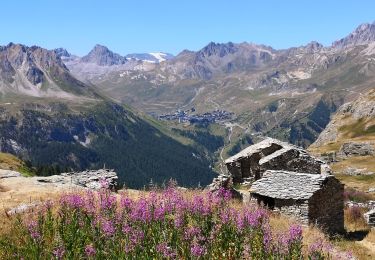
58 123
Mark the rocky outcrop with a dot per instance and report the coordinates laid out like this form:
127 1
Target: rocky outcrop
92 179
8 174
356 149
364 34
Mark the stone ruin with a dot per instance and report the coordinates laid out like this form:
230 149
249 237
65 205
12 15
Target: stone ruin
287 179
272 154
310 198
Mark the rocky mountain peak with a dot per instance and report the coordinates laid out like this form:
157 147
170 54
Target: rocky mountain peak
363 34
218 49
35 71
102 56
314 46
61 52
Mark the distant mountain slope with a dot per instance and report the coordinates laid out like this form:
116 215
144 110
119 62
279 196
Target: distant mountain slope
34 71
348 142
354 121
57 122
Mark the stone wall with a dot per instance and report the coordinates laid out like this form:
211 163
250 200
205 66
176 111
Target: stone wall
297 209
326 207
370 217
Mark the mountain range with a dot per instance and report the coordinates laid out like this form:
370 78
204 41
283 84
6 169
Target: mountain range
302 85
76 108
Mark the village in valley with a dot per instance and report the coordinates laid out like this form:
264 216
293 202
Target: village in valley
184 116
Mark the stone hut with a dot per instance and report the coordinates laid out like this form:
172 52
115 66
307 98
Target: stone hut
272 154
310 198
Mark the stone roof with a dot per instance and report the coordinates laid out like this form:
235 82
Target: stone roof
259 147
288 185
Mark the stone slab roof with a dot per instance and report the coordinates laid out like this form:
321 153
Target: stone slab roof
259 147
288 185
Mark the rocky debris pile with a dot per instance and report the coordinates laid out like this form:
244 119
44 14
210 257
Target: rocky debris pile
371 190
221 181
357 172
370 217
8 174
226 182
91 179
356 149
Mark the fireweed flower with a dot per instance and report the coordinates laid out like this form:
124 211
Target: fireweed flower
165 250
33 230
126 203
197 250
90 251
204 225
108 228
267 236
73 200
59 252
295 233
107 201
191 232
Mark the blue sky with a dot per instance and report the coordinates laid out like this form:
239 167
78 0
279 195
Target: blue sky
174 25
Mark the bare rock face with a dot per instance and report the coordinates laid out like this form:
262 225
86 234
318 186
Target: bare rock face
356 149
364 34
93 179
